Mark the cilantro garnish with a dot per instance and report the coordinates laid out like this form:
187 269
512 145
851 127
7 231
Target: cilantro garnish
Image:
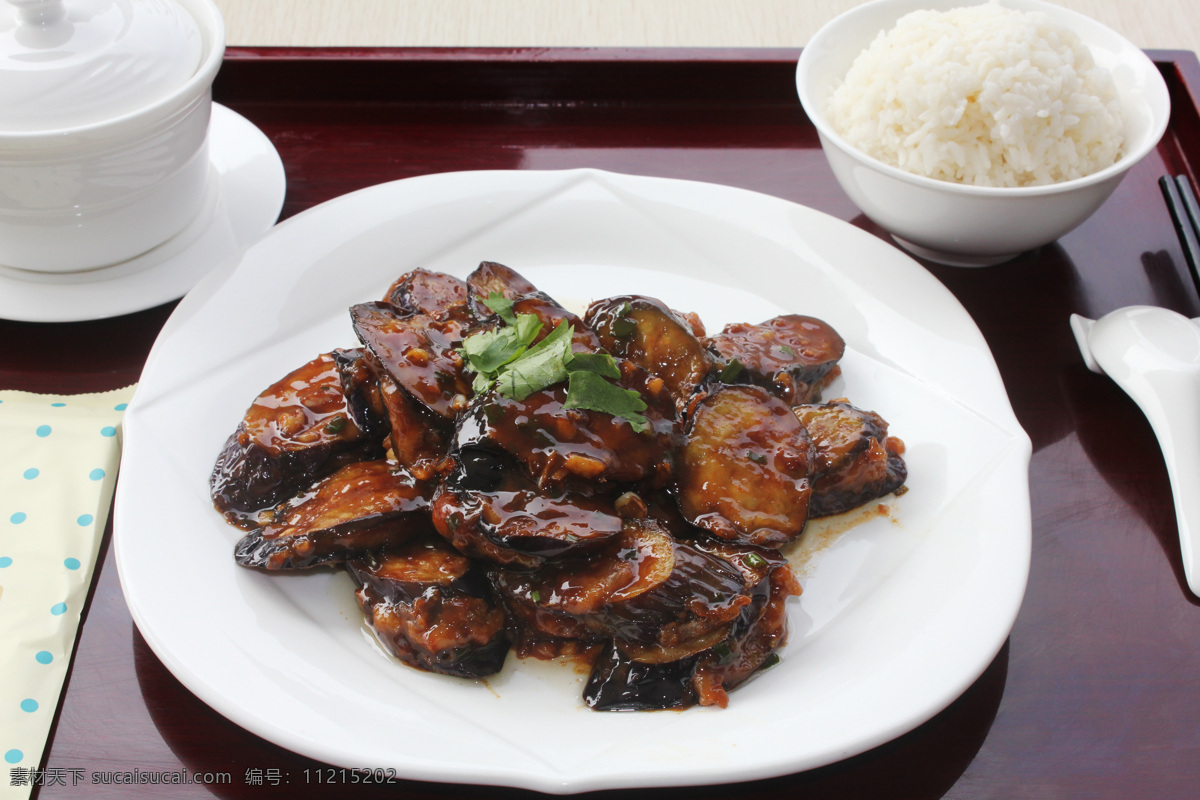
488 353
502 306
505 357
592 392
600 363
540 366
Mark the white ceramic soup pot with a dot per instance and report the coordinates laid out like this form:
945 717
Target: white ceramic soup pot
104 112
968 225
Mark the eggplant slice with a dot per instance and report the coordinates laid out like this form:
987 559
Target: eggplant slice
488 508
855 459
743 473
434 294
362 507
631 678
792 355
364 397
418 439
297 430
663 599
432 608
420 352
657 339
491 278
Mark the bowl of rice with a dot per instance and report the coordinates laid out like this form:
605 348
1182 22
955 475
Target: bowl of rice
975 130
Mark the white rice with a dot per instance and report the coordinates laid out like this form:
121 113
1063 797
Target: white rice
983 95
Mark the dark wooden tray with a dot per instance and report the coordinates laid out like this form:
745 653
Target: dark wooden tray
1097 692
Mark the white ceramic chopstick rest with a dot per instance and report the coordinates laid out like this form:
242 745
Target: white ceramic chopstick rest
1153 354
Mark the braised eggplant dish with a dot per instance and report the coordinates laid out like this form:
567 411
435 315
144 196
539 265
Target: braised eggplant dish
496 474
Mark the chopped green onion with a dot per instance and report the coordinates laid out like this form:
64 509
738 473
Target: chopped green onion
731 371
622 326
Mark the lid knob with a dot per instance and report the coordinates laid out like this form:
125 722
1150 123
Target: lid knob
39 12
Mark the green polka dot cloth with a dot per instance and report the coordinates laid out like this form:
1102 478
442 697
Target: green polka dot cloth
58 466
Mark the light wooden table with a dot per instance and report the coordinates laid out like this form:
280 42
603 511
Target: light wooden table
1171 24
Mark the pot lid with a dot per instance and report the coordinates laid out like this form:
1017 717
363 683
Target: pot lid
67 63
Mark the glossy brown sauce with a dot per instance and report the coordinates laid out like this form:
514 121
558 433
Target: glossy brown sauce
420 352
356 492
425 292
304 408
472 525
519 514
424 560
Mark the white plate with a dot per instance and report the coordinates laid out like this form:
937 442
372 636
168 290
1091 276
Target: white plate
899 614
245 194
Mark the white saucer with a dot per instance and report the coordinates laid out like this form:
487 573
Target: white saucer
245 196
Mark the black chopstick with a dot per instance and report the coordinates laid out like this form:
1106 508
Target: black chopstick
1185 213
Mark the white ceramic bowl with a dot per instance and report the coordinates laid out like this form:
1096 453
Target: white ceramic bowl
99 193
973 225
